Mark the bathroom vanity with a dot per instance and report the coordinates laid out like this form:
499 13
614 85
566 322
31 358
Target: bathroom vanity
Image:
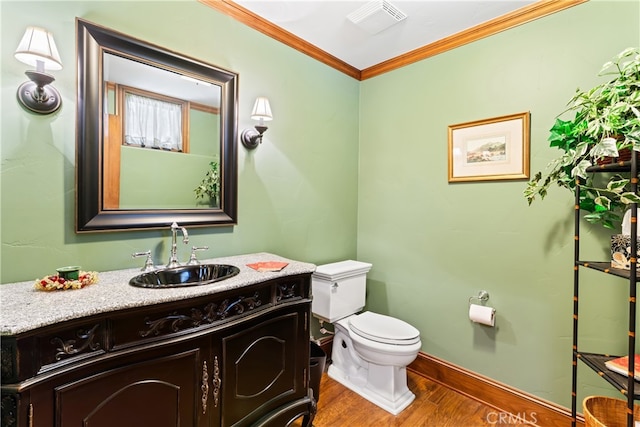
232 353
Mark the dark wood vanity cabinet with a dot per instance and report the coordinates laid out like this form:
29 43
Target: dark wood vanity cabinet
262 367
156 389
238 358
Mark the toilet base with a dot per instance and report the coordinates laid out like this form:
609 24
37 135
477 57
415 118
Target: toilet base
361 387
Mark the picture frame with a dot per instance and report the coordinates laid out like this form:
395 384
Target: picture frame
490 149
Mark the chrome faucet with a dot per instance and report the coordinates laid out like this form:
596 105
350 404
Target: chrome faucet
173 260
148 263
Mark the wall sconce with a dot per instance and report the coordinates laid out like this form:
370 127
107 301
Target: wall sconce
261 111
38 49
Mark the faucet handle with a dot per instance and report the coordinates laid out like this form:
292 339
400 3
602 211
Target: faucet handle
193 260
148 264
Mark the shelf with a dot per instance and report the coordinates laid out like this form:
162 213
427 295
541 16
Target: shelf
611 167
625 385
596 362
605 267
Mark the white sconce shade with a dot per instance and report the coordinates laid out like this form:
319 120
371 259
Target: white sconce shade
37 44
261 109
37 48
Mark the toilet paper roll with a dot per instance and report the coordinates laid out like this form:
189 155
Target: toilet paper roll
482 314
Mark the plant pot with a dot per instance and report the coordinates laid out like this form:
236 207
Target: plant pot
621 251
624 155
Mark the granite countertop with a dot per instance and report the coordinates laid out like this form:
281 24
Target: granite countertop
23 308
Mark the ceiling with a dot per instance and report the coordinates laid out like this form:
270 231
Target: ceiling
322 29
140 75
325 24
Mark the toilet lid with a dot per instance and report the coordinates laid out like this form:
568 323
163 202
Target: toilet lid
341 270
383 329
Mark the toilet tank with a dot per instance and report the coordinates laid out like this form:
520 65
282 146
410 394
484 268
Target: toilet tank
339 289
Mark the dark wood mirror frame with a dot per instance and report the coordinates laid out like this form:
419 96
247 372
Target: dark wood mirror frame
92 41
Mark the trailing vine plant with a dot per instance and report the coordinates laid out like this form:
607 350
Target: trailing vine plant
606 121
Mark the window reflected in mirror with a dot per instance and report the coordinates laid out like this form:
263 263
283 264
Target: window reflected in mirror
153 121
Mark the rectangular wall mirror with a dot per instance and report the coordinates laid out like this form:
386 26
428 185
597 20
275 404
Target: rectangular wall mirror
153 126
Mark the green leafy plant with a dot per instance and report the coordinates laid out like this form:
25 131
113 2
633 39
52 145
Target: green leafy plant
210 185
606 120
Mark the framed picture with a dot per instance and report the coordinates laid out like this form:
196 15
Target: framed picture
489 150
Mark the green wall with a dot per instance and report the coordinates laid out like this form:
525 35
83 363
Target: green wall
352 169
434 244
297 191
158 178
204 128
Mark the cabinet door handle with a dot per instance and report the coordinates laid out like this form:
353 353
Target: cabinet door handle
205 387
216 381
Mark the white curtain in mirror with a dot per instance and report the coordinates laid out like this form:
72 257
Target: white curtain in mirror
152 123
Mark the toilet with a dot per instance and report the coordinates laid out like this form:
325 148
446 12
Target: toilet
370 351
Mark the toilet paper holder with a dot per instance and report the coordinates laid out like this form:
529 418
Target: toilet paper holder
482 297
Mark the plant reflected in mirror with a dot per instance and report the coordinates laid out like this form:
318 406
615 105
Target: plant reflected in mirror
210 185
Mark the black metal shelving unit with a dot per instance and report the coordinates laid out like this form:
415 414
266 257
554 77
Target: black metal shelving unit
624 383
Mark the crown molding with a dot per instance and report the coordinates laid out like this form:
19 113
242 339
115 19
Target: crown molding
518 17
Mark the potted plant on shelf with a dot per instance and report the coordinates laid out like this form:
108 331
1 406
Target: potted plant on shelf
605 124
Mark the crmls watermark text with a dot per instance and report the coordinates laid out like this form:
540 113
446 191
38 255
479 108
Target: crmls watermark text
505 418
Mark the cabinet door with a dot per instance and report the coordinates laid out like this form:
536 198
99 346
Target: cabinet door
264 366
161 392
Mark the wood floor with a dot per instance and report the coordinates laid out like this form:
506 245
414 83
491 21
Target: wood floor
434 406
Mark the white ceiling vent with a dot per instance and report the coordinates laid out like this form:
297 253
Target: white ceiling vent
377 15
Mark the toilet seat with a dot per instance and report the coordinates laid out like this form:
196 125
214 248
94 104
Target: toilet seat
383 329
